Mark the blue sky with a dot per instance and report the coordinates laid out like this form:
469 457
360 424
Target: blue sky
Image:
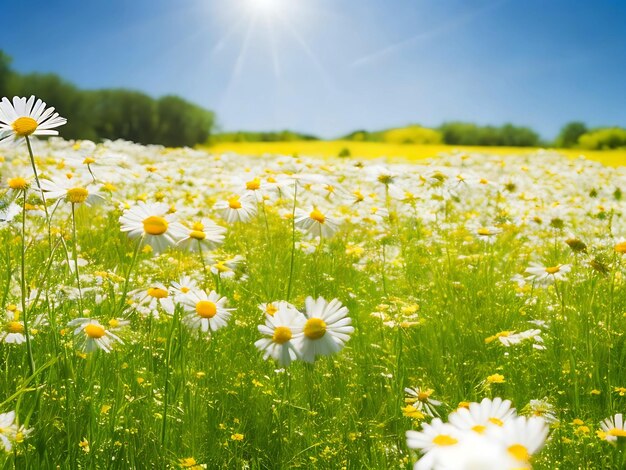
331 66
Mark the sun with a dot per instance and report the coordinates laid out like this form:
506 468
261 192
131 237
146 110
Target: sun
264 6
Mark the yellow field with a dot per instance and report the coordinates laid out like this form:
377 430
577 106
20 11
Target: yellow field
398 151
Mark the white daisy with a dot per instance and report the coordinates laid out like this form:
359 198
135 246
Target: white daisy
8 430
420 399
26 117
522 437
480 416
326 330
205 232
544 275
71 190
280 329
205 311
154 223
149 301
316 222
237 208
91 335
613 428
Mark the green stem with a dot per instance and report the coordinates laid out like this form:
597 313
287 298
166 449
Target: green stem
75 256
31 361
293 240
43 196
168 359
127 280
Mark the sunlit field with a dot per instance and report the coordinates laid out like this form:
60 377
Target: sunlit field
400 152
173 308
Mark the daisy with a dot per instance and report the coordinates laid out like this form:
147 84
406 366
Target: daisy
316 222
71 191
13 331
480 416
27 117
421 400
237 208
204 233
544 275
92 336
154 224
613 428
522 437
280 329
8 430
205 311
542 408
270 308
183 286
326 330
151 299
433 440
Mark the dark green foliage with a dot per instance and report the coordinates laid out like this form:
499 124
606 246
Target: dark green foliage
112 113
568 137
248 136
465 133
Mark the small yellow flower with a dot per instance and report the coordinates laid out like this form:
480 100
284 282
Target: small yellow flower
412 412
495 379
237 437
84 445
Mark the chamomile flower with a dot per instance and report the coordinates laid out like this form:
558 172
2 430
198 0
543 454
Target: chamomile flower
183 286
205 232
154 224
270 308
421 400
613 428
280 329
91 335
205 312
326 331
434 438
316 222
237 208
544 275
154 299
478 417
8 430
24 117
522 437
14 329
71 191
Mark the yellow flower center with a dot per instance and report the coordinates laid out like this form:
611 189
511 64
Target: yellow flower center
77 195
496 421
423 396
281 335
234 203
479 428
519 452
317 216
24 126
197 235
315 328
157 293
114 322
94 331
270 309
17 183
155 225
617 432
206 309
184 290
444 440
485 232
199 226
253 185
553 269
15 327
89 160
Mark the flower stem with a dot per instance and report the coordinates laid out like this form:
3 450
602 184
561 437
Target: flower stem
31 361
293 240
75 256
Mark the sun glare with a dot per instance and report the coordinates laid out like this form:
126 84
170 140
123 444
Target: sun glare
265 6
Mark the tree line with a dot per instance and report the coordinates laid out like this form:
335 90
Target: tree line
112 113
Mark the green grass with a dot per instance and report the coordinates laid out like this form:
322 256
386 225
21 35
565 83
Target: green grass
441 290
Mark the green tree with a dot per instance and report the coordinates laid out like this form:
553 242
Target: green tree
182 123
570 133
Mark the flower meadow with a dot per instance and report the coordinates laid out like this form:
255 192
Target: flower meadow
171 308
